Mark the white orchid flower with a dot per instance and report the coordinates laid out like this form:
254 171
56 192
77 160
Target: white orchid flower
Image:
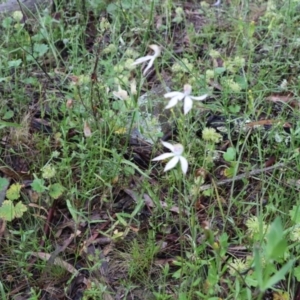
217 3
186 96
149 58
176 155
121 94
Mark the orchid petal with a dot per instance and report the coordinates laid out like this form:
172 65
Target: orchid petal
217 3
172 102
174 94
178 149
121 94
168 146
151 61
199 98
184 164
156 49
171 164
188 104
187 89
151 58
163 156
142 59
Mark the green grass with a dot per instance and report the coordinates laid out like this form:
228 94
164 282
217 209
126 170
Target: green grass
130 229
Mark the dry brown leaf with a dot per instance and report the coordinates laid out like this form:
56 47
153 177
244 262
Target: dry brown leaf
69 103
269 122
199 205
280 98
158 21
74 79
294 182
86 129
2 227
38 206
107 249
134 229
162 262
150 203
34 197
285 98
57 261
39 216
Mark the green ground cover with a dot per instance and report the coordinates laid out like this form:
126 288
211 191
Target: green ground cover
150 150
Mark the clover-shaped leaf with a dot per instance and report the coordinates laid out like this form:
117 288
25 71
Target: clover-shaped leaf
38 185
230 154
13 192
56 190
20 208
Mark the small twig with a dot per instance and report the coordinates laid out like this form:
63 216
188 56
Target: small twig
241 176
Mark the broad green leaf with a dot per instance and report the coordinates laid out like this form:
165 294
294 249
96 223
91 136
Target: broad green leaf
40 49
6 23
208 192
4 124
279 275
241 80
7 211
213 276
251 280
220 70
297 273
230 154
230 172
182 296
13 192
111 8
223 244
15 63
38 185
295 214
8 115
276 241
126 4
258 266
20 208
234 108
3 183
72 210
177 274
56 190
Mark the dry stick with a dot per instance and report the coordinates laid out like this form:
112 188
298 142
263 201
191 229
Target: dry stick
241 176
